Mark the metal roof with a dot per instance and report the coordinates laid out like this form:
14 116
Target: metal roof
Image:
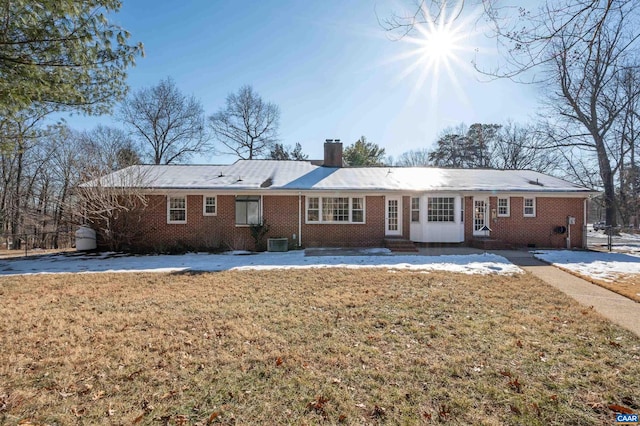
265 175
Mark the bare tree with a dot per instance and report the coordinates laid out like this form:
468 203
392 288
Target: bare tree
518 147
39 167
169 126
20 135
401 24
587 73
247 126
626 131
106 149
114 204
414 158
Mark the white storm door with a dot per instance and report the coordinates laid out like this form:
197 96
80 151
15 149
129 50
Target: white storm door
393 216
480 209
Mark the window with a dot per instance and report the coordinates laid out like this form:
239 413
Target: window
176 209
440 209
335 209
357 210
313 209
248 210
529 207
415 209
503 207
209 205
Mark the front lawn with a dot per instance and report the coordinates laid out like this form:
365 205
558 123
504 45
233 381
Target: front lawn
307 347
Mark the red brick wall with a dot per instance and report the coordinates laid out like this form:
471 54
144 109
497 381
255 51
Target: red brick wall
369 234
200 232
279 212
527 231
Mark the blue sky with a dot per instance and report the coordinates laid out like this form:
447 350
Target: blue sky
328 65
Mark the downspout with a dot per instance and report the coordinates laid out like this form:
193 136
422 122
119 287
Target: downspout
584 224
299 219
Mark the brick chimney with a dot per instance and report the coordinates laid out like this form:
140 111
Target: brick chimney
332 153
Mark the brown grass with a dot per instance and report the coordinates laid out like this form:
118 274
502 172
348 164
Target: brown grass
627 285
307 347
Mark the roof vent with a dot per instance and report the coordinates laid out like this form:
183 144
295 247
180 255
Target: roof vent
536 182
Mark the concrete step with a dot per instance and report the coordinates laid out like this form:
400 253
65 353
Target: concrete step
400 245
490 244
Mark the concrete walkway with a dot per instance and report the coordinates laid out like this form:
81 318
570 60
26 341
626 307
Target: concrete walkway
618 309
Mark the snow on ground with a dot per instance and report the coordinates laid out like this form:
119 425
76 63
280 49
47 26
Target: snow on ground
601 235
623 242
112 262
599 265
628 248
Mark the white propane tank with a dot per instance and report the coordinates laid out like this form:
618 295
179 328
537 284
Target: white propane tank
85 239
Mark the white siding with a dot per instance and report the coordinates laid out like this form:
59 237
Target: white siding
438 232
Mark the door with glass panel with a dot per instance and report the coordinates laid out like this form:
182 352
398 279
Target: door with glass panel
393 216
480 208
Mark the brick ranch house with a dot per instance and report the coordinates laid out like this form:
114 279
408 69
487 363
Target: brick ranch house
328 205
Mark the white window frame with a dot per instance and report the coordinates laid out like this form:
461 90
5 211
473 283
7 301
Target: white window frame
204 205
337 206
439 203
320 205
415 209
316 208
533 206
169 209
246 199
352 209
508 207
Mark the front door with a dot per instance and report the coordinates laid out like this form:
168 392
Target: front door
393 216
480 208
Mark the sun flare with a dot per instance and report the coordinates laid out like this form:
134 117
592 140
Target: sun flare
437 52
439 44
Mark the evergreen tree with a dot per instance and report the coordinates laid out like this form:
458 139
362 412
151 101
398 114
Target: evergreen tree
363 153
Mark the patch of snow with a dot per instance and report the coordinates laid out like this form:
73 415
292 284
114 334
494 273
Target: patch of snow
622 236
87 263
633 249
599 265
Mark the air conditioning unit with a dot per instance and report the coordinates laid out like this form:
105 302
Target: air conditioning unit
277 244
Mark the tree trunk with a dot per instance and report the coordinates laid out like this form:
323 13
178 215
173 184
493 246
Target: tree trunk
607 180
